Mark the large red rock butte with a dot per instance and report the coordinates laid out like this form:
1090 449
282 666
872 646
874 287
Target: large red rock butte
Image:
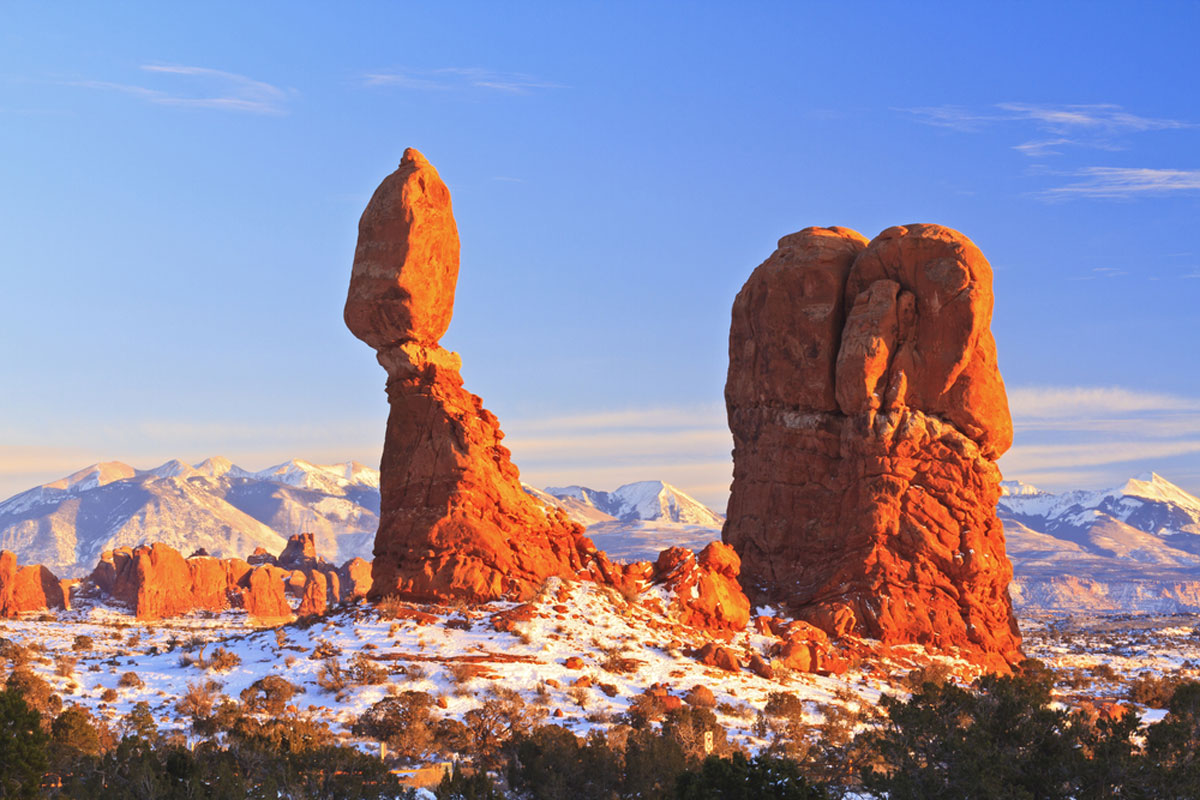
454 520
28 588
867 413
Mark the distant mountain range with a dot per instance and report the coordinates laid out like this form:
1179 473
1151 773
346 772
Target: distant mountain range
215 505
229 511
1131 548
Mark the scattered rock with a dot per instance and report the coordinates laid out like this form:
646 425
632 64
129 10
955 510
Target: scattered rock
759 666
714 655
704 589
700 697
573 662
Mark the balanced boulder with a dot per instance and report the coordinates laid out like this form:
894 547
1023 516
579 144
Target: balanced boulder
454 520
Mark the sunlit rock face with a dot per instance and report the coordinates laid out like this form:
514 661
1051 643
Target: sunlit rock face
454 520
28 588
156 581
867 413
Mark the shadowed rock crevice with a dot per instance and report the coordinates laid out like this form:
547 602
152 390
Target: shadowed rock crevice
868 411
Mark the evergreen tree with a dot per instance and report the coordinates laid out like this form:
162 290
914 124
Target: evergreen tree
23 759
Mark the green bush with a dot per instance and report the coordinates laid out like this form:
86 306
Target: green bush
736 777
23 758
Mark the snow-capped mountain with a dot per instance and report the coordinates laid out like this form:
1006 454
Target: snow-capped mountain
1135 547
638 520
229 511
645 500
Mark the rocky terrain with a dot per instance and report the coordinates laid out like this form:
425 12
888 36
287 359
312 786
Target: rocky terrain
867 413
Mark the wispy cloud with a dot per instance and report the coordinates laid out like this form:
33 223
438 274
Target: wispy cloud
1094 126
1075 402
203 88
449 79
1124 182
1091 436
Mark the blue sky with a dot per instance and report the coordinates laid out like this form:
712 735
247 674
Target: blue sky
181 188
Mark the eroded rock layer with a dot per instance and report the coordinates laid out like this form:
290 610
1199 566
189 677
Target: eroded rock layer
454 520
867 413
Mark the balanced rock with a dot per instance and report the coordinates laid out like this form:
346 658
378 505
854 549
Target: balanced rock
867 413
28 588
454 520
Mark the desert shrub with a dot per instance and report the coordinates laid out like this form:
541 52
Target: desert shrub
689 726
75 733
1154 691
64 665
109 695
782 704
82 642
364 671
130 680
198 701
1105 672
222 660
331 677
16 654
139 722
23 757
580 696
405 722
935 673
619 664
35 691
288 734
280 637
461 674
269 694
390 607
324 649
503 716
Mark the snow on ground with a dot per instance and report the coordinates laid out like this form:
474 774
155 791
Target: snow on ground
625 647
583 621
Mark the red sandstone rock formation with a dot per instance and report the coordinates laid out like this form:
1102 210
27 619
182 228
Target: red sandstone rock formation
316 596
28 588
867 412
156 581
454 520
704 591
355 577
